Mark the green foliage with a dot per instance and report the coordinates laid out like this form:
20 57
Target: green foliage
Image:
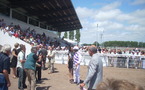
123 44
71 35
85 44
77 35
59 34
96 43
65 35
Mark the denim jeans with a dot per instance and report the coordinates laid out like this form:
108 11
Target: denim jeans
3 83
22 78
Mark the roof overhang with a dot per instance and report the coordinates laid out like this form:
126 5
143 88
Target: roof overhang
58 14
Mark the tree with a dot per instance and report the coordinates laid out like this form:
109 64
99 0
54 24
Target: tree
96 43
59 34
71 35
77 35
123 44
65 35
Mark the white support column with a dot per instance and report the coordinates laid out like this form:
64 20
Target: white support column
11 13
38 24
27 20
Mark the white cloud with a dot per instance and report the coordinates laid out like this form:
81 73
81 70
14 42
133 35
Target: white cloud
135 27
139 13
105 15
139 17
84 12
111 6
124 17
116 24
138 2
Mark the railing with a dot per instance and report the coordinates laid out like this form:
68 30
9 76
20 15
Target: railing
109 60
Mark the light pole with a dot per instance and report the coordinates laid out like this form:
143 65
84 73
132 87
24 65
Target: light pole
97 36
101 37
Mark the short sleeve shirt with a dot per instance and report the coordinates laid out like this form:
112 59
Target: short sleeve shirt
4 62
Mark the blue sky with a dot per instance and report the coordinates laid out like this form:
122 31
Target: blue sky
121 20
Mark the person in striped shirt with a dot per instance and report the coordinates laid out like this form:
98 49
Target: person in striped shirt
76 65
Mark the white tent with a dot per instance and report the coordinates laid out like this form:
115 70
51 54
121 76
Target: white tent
71 41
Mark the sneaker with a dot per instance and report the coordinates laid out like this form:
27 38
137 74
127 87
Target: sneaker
73 82
77 83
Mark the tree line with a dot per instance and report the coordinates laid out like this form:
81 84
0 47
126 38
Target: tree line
75 35
123 44
118 44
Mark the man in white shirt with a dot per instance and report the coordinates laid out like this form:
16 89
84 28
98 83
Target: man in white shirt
51 59
20 67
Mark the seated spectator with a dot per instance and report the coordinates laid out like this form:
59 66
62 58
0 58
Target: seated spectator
16 34
11 32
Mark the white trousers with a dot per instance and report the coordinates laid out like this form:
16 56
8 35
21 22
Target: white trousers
76 74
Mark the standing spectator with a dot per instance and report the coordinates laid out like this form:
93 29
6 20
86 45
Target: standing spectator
20 68
76 64
14 59
70 64
30 67
95 70
43 52
51 58
5 67
38 69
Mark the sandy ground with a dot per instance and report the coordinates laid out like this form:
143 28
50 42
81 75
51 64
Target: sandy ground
60 80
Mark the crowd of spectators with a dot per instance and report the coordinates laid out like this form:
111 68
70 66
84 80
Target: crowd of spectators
31 36
131 51
43 41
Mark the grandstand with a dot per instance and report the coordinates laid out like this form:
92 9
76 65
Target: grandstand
53 15
43 16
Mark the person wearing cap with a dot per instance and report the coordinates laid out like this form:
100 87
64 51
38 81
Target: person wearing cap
77 58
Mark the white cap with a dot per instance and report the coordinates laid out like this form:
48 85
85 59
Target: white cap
76 48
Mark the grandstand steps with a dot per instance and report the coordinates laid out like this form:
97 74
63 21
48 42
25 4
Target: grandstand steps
5 38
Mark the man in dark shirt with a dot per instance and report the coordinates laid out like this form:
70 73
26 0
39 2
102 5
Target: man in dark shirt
5 67
30 67
43 52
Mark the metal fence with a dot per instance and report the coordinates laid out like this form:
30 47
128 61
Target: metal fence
109 60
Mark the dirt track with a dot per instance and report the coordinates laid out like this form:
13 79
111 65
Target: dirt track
60 81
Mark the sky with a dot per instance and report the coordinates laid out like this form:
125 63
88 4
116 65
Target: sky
111 20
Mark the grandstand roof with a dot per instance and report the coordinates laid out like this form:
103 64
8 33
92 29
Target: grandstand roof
58 14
